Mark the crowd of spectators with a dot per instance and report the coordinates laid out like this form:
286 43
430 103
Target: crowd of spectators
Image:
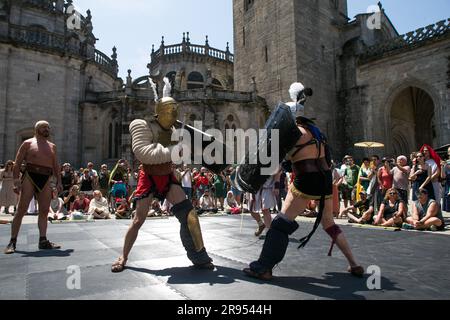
400 192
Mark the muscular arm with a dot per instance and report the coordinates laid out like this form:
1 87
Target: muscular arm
56 169
20 157
144 146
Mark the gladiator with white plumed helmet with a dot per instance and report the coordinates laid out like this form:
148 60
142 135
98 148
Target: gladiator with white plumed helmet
152 145
310 159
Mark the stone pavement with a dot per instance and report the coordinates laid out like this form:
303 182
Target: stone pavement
412 264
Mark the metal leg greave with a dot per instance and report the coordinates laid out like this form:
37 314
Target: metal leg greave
190 233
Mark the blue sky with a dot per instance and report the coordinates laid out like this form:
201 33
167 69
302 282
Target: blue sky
134 25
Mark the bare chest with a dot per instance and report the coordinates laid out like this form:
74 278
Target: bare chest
40 153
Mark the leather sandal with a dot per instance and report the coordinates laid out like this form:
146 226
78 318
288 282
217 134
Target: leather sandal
265 276
118 265
357 271
10 248
47 245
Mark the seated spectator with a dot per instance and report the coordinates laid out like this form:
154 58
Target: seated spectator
155 209
365 208
206 203
123 211
57 210
311 209
70 198
231 205
392 210
80 207
426 214
166 207
98 207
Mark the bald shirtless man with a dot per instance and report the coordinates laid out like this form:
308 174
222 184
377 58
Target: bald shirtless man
41 164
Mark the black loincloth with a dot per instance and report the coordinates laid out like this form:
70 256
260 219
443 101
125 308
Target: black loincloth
313 178
38 176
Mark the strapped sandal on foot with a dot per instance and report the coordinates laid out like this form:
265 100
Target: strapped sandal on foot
47 245
118 266
10 248
357 271
266 276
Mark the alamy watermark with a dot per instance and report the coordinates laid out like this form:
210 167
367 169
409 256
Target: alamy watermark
228 149
374 279
73 282
74 20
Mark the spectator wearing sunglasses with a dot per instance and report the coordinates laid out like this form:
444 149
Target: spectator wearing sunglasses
421 177
392 210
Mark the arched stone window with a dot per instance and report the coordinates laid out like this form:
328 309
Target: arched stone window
230 123
195 80
114 136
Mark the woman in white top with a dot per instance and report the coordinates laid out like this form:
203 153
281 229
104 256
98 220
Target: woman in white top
98 207
57 210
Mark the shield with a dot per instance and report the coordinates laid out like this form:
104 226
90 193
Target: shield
248 176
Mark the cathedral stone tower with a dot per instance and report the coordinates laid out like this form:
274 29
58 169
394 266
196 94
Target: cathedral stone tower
278 42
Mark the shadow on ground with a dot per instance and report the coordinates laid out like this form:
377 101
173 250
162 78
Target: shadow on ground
332 285
49 253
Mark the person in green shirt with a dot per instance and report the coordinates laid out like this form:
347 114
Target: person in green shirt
219 189
350 180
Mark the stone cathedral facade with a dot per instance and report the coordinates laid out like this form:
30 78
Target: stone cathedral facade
369 84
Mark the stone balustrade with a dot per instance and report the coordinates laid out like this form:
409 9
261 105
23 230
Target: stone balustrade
48 41
407 41
105 62
187 48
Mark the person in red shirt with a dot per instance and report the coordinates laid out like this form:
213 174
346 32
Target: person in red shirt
201 183
81 204
385 178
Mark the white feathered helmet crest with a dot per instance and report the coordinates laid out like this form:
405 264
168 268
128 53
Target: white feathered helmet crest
298 94
166 108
